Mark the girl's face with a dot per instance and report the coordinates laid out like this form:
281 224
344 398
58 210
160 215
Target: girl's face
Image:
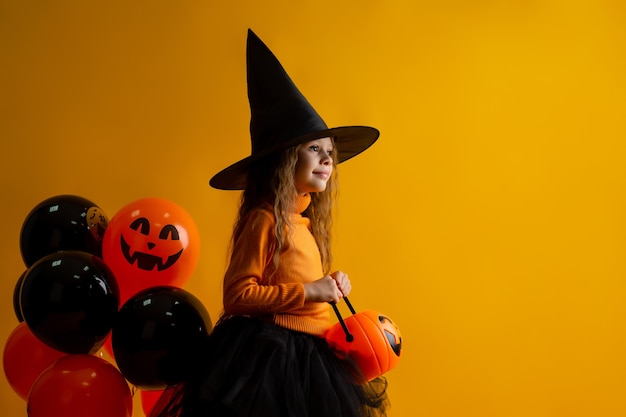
314 165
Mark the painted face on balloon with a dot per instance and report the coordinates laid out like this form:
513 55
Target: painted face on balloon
150 242
97 222
151 246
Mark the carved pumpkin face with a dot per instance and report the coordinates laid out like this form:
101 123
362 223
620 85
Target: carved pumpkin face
377 344
391 331
150 242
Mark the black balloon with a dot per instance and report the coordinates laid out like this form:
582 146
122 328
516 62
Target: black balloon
16 298
64 222
160 336
69 300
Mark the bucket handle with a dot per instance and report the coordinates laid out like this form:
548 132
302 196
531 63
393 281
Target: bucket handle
349 336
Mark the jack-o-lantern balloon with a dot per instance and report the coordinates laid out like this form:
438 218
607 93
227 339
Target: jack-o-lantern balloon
372 341
151 242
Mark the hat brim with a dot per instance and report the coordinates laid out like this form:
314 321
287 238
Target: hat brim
349 142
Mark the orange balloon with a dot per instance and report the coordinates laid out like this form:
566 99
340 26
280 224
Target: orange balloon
149 399
376 346
150 242
25 357
79 386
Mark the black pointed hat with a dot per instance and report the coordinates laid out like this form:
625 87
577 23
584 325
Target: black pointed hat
281 117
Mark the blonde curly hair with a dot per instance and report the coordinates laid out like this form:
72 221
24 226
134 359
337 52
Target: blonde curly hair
270 181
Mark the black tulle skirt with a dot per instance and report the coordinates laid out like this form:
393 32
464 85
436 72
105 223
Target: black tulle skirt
254 368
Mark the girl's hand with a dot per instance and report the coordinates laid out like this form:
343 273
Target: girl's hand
343 283
324 290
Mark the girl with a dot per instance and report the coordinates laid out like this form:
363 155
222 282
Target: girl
267 355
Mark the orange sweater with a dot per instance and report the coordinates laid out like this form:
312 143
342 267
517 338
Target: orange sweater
246 287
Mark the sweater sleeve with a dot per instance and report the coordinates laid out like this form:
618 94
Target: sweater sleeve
245 289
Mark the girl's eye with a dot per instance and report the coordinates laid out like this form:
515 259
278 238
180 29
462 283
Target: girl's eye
317 149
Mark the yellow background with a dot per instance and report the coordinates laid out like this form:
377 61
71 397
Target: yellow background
488 221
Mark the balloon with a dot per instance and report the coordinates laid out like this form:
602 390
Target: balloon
65 222
24 358
376 346
79 386
151 242
16 298
159 337
149 399
69 300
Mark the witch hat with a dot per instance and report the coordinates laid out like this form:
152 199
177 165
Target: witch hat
281 117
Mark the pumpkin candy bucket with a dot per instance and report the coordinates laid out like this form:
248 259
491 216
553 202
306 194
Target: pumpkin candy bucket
368 338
